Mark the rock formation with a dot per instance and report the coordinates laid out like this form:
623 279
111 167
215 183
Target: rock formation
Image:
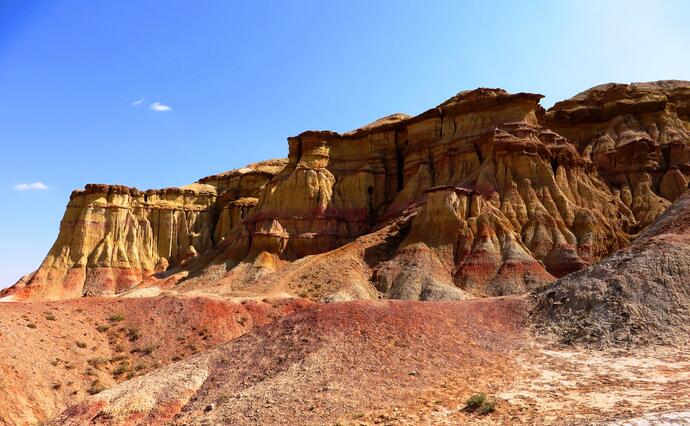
112 237
639 295
637 136
486 194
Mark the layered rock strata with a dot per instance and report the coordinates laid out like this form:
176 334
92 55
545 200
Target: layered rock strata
486 194
637 136
112 237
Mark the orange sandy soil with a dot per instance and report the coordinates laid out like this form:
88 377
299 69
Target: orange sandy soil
341 362
53 354
396 362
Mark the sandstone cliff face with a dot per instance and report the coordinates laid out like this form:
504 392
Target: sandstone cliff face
637 136
486 194
502 205
112 237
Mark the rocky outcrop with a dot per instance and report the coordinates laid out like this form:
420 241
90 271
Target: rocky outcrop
639 295
112 237
502 204
637 136
485 194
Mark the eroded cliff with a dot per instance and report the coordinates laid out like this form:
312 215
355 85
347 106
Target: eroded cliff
486 194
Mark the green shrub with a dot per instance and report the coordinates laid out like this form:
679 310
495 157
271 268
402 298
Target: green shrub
133 334
96 387
50 317
116 318
487 407
475 401
146 350
96 361
102 328
480 404
121 369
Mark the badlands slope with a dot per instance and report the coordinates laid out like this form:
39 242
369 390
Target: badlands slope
381 275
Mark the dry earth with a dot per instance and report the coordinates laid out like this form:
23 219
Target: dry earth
357 363
54 354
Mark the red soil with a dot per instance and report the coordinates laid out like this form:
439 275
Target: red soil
53 353
327 363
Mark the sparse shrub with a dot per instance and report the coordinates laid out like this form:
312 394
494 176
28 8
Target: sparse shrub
117 358
80 310
145 350
176 358
81 344
116 318
119 348
96 361
56 386
50 317
133 334
31 325
242 321
121 369
475 401
69 366
487 407
480 404
89 371
54 362
138 367
96 387
102 328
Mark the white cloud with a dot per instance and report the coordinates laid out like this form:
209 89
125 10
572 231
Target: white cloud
138 102
157 106
31 186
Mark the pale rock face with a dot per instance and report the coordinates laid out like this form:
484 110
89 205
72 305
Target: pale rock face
114 237
486 194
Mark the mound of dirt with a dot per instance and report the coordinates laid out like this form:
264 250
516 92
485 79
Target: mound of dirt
640 295
55 354
339 362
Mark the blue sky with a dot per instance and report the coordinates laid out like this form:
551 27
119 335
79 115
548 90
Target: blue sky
241 77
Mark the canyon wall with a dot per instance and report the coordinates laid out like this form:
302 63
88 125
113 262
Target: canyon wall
486 194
